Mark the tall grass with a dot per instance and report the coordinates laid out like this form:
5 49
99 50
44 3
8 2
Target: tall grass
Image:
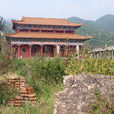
45 102
5 60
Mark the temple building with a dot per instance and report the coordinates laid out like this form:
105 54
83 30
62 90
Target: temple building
45 37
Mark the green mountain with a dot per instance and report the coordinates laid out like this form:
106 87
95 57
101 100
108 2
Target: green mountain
101 37
107 22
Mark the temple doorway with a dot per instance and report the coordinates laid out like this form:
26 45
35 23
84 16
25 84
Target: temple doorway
49 50
35 50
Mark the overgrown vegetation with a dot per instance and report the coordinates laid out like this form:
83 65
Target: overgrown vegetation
45 101
90 65
45 76
6 92
2 23
101 105
5 60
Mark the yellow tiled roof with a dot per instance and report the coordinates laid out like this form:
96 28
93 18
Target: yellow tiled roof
47 35
46 21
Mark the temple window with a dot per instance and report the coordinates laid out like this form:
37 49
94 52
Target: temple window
34 30
69 31
21 30
24 50
39 26
54 26
44 30
57 31
64 27
47 30
24 30
62 48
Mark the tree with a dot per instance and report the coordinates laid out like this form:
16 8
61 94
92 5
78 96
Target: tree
2 23
3 43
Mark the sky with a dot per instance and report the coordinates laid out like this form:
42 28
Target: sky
86 9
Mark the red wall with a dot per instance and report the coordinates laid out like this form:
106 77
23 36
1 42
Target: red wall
25 54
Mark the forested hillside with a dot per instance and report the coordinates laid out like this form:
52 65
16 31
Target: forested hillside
107 22
101 36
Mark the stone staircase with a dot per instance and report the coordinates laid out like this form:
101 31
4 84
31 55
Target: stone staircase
26 95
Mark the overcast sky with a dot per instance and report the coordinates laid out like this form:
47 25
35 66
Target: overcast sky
86 9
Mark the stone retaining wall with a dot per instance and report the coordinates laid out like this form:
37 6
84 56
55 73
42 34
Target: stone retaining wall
79 93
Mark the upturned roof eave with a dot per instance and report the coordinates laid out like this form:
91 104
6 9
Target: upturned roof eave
24 23
35 37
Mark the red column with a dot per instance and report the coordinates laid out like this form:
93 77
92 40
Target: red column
18 30
18 51
41 50
64 49
11 51
29 30
54 51
74 32
82 51
37 51
40 30
30 51
72 48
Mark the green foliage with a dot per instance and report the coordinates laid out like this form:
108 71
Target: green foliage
2 23
45 76
100 36
101 105
48 69
107 22
6 92
5 64
90 65
19 66
40 71
41 74
45 102
5 60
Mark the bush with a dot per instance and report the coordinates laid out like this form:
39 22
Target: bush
6 92
90 65
5 60
19 66
44 70
5 64
101 106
